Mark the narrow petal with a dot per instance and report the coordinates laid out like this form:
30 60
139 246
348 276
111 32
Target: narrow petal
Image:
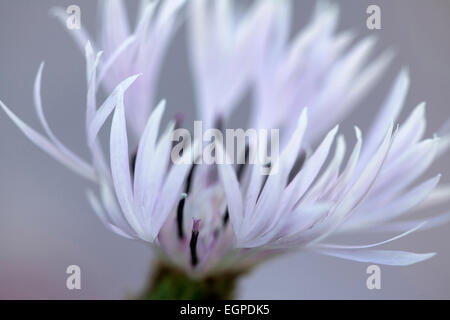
389 113
306 176
373 213
358 191
349 170
158 166
43 143
76 160
120 166
384 257
98 210
404 234
330 174
439 195
115 55
410 132
171 190
232 191
144 172
405 169
106 108
92 62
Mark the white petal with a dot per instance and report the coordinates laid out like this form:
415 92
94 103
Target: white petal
329 176
268 208
98 209
290 229
232 192
92 62
410 132
384 257
115 55
171 191
389 113
112 208
437 196
106 108
158 166
405 169
77 161
310 170
144 172
365 181
375 212
352 163
43 143
334 246
120 166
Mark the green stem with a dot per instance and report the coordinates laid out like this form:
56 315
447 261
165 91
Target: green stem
169 283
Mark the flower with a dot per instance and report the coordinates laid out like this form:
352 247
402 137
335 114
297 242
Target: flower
207 219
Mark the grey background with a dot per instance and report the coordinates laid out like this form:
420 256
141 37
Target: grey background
46 223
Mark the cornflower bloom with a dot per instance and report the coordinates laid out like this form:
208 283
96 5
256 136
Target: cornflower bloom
208 220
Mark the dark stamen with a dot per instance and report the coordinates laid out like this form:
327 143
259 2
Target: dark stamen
265 177
241 167
189 179
193 243
179 118
182 202
298 165
133 161
180 209
226 217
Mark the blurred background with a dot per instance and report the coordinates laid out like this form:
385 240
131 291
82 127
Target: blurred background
46 223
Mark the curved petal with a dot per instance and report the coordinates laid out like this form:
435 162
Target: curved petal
385 257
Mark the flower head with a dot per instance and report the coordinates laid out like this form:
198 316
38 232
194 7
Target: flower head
210 218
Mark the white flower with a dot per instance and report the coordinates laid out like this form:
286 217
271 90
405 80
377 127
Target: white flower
207 219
